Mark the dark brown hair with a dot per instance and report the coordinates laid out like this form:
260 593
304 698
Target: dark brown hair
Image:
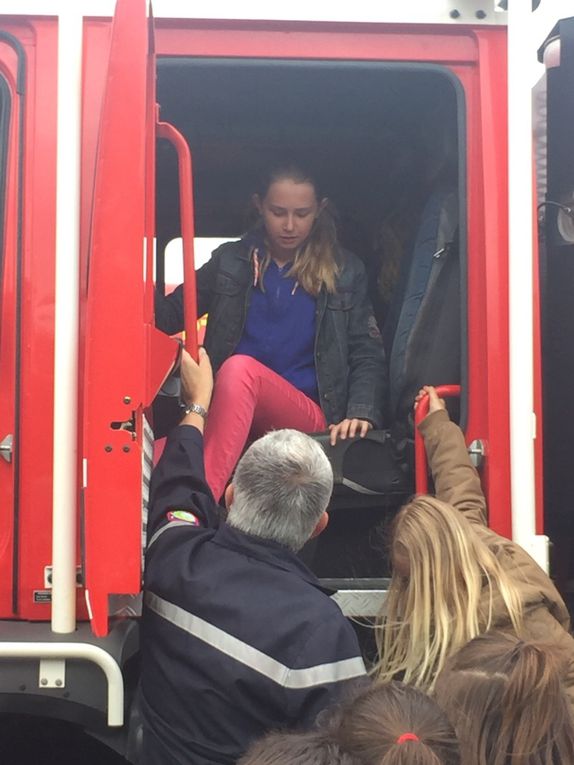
505 699
372 728
312 748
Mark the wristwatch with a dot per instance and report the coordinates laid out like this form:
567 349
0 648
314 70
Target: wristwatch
196 409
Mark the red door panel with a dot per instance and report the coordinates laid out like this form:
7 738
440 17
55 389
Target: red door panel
118 336
9 253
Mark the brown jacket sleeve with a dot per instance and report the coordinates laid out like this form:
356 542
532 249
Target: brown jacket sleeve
456 480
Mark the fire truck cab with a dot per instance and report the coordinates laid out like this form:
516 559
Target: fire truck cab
123 132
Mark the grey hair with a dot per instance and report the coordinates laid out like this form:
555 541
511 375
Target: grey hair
282 486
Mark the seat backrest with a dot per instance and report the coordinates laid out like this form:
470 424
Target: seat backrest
425 348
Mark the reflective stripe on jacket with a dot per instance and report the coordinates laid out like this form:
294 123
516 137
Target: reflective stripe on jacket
238 637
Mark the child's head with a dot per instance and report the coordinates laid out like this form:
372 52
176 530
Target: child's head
291 170
505 699
396 724
312 748
299 227
441 592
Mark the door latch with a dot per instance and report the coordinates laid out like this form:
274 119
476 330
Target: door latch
6 447
477 452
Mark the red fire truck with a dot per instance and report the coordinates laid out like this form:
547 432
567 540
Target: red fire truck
100 117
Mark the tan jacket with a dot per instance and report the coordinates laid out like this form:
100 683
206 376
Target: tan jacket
457 482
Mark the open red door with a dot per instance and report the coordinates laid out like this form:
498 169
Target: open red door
126 358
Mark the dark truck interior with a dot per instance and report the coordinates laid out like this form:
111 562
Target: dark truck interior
556 217
386 142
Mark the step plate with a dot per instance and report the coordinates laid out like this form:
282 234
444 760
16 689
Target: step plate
366 603
358 596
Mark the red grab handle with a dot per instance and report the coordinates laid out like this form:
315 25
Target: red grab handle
186 211
421 411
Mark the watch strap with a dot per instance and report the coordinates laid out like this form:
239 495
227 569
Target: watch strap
196 409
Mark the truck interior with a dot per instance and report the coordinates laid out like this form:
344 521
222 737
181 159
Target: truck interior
555 205
385 141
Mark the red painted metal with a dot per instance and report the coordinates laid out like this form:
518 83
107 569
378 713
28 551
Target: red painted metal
7 337
116 348
537 361
124 356
186 208
37 348
488 313
96 48
162 352
302 40
421 411
477 57
34 488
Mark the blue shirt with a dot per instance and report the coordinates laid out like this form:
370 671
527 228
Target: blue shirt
280 329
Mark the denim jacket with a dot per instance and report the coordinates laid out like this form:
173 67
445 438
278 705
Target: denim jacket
349 356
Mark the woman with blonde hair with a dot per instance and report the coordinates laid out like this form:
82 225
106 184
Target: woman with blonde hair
507 703
290 332
453 577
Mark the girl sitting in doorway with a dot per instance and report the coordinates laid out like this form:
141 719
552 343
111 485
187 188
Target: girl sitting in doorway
290 333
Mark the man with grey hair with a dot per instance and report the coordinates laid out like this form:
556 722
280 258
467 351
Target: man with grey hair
238 637
281 488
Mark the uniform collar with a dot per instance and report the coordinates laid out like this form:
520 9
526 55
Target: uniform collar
268 552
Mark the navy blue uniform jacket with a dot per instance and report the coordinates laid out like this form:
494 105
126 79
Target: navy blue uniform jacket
237 635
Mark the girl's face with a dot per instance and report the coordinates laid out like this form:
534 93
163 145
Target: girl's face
289 210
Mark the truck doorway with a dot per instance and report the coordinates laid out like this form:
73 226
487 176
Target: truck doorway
386 141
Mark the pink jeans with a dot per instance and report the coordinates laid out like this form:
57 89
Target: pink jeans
248 401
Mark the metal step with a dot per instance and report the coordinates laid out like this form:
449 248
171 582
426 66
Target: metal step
358 597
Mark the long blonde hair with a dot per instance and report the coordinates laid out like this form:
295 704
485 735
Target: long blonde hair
507 703
441 604
315 265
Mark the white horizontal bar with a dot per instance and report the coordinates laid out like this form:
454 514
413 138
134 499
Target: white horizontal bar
85 651
365 11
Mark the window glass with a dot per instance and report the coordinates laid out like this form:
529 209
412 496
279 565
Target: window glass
203 247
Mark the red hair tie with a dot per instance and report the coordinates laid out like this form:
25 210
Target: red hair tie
407 737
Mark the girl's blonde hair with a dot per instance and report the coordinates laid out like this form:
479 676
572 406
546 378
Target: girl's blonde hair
453 585
315 265
506 701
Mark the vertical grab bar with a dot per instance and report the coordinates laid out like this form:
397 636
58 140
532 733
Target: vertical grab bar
186 213
421 475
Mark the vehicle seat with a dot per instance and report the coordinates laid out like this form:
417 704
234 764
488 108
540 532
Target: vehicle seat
423 329
367 471
422 338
